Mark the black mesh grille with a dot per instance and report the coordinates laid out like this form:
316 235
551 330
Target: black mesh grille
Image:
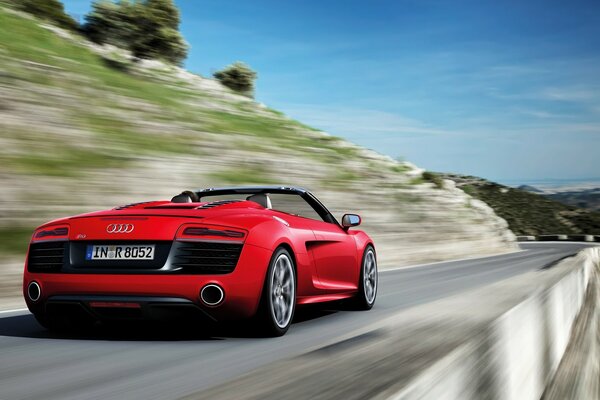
217 203
207 257
46 256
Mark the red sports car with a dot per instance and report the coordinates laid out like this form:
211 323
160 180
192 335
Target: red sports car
228 253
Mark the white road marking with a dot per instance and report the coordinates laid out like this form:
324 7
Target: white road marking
562 242
14 311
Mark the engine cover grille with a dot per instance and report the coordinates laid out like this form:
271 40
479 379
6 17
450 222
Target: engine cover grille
206 257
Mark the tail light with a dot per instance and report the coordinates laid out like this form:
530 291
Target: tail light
51 233
114 304
210 232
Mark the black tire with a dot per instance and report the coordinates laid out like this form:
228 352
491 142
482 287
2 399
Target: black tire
364 299
270 325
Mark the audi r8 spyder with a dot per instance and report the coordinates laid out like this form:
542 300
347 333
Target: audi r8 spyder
221 254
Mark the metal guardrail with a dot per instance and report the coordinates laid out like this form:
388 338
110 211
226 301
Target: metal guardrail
559 237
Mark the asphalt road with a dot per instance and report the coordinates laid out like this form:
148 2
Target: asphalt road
37 365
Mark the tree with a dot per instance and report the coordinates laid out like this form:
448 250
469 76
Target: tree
111 23
51 10
149 29
239 77
164 13
157 33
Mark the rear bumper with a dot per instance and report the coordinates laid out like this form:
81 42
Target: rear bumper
242 289
125 308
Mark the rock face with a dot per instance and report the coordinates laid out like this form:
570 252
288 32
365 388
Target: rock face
80 135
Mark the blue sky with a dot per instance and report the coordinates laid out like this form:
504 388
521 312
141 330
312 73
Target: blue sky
507 90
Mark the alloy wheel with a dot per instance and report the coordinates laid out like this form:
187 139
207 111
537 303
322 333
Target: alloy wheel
282 291
370 276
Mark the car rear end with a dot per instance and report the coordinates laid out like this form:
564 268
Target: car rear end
142 267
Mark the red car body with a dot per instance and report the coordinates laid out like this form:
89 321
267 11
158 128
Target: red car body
236 240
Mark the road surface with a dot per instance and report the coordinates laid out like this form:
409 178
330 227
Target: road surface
35 364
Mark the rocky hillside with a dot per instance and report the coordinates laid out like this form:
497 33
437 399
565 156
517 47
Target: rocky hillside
529 213
85 128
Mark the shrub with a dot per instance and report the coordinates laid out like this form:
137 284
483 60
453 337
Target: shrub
117 60
434 178
51 10
239 77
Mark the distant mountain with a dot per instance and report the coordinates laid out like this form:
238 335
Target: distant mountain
530 213
530 189
587 198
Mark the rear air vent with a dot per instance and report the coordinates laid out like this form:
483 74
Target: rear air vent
169 207
206 257
217 203
46 257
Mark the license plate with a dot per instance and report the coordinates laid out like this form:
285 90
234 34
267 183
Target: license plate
120 252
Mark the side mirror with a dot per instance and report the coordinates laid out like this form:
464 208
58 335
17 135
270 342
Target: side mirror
349 220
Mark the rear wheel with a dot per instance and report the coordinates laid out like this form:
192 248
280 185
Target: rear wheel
278 301
367 287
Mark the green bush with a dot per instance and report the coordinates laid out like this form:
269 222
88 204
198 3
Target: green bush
239 77
51 10
149 29
434 178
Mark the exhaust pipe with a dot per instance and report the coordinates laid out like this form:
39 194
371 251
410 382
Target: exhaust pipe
212 295
34 291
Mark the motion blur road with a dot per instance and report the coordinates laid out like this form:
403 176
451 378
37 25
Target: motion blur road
37 365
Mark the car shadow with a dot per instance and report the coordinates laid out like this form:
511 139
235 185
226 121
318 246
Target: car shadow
314 311
26 326
22 326
251 330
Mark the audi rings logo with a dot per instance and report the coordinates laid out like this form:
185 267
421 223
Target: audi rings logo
119 228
